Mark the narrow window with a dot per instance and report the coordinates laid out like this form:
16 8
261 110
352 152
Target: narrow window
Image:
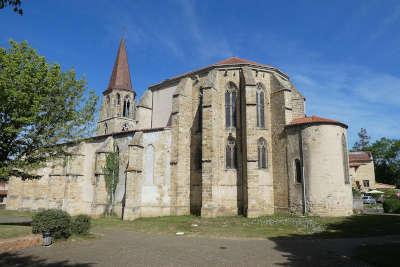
262 153
230 106
128 104
231 153
345 160
260 106
108 106
366 183
105 128
299 174
200 113
227 109
118 99
125 112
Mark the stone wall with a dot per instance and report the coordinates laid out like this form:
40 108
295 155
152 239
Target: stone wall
74 184
319 148
148 182
280 93
260 196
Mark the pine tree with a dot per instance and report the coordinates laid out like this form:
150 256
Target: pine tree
363 141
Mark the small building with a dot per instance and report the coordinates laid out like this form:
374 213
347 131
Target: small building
362 170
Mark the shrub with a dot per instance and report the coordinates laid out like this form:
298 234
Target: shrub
80 224
356 192
391 206
57 222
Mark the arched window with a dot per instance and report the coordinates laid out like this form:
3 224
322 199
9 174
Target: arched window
262 153
127 104
105 128
118 99
299 173
260 106
345 160
231 153
230 105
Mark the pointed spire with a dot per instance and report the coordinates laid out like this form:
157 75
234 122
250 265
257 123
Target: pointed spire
121 77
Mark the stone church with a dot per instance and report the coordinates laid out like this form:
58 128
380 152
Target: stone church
231 138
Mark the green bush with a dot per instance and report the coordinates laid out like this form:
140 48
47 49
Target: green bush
80 224
356 192
57 222
391 206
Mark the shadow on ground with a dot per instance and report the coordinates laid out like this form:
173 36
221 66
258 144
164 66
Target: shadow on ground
350 242
16 259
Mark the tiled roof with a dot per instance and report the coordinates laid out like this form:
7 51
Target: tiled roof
315 119
235 60
360 156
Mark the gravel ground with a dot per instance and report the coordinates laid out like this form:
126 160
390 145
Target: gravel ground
127 248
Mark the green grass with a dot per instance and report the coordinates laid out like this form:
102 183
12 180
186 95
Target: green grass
10 231
384 255
15 213
280 225
262 227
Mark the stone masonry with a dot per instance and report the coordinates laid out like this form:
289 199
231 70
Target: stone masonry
231 138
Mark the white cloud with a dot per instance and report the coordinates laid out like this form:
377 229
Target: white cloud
355 95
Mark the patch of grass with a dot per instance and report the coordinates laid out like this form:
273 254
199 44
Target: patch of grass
280 225
384 255
11 231
15 213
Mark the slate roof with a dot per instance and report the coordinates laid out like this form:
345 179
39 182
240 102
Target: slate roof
120 77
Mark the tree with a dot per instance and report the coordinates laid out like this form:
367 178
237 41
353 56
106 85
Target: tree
386 153
15 4
363 141
111 177
41 107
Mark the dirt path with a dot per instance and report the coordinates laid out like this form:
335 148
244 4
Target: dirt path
126 248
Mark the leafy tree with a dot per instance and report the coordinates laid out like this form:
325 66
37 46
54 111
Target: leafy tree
111 177
386 153
15 4
40 108
363 141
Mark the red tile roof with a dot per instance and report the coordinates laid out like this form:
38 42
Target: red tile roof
360 156
235 60
315 119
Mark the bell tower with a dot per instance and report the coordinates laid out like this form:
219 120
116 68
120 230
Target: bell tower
118 107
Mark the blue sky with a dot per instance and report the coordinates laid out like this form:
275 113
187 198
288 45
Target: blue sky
342 55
